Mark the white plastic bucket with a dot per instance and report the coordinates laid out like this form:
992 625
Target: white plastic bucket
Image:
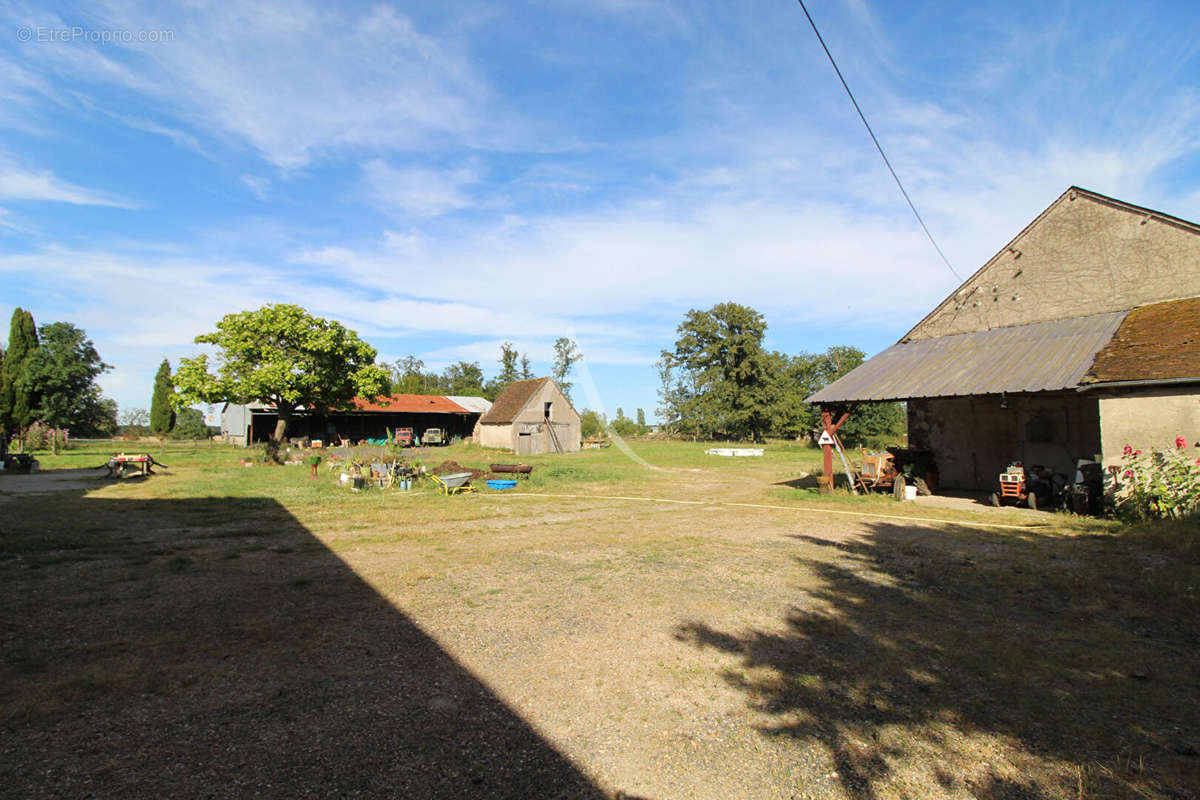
910 493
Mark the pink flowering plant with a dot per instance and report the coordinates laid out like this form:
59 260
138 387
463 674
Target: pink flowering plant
1158 485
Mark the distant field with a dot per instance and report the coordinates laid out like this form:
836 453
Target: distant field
696 628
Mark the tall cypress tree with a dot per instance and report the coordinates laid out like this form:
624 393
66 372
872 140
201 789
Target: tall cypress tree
16 406
162 416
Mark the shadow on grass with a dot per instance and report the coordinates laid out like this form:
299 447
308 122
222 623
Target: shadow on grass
1077 656
215 648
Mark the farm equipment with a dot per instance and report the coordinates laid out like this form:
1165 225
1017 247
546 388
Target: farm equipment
434 436
404 437
891 470
1037 487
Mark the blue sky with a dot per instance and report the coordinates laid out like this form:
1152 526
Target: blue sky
442 177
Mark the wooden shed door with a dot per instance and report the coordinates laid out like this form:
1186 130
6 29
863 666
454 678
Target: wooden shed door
529 439
557 436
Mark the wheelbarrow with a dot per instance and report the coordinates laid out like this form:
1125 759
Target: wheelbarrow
454 483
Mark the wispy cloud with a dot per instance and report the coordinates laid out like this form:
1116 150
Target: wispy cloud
417 191
292 80
21 183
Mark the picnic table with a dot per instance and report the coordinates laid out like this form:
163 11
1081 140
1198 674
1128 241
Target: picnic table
121 463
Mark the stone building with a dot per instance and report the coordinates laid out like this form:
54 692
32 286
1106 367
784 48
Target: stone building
531 417
1079 337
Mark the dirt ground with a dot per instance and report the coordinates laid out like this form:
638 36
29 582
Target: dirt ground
534 646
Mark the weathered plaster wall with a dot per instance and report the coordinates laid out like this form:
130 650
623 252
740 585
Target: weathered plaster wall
1082 256
500 436
974 439
1148 418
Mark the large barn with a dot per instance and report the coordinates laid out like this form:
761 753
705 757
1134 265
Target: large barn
531 417
366 419
1078 338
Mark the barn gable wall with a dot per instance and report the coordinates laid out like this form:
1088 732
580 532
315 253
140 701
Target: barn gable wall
1086 254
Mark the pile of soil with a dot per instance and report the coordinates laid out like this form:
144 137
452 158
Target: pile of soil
450 467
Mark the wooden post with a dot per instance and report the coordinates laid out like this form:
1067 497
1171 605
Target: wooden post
829 427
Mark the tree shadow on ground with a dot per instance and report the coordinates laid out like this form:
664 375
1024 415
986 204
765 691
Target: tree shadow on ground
1073 658
215 648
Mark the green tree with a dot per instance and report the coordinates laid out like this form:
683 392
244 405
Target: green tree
190 425
60 379
162 414
641 418
284 357
16 406
591 423
526 371
508 365
622 425
409 377
566 354
725 385
463 378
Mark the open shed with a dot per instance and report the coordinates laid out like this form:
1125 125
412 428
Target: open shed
365 419
1080 337
531 417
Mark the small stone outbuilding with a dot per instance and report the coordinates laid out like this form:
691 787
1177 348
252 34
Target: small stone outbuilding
531 417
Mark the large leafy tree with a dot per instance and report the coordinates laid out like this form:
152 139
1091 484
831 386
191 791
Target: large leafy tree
284 357
162 414
463 378
59 378
566 354
16 406
726 383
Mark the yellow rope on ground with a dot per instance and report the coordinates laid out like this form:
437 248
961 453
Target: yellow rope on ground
901 517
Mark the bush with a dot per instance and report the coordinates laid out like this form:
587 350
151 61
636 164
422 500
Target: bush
1160 484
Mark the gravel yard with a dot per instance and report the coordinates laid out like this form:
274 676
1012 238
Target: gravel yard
162 639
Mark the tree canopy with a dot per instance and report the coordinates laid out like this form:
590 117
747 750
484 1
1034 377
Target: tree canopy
16 406
566 354
720 382
162 414
282 356
59 378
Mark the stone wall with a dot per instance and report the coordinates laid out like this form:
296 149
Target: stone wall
1084 255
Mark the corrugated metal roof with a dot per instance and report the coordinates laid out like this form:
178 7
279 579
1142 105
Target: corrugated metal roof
476 405
1039 357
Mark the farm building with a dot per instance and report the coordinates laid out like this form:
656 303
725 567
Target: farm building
1078 338
531 417
245 424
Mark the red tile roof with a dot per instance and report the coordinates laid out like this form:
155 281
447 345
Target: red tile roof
410 404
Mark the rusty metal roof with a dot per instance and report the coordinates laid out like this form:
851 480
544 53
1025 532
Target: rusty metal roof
409 404
1038 357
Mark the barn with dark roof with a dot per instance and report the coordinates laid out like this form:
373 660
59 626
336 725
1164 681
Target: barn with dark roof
531 417
1081 336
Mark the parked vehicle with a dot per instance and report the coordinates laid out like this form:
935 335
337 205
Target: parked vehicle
404 437
433 436
1037 487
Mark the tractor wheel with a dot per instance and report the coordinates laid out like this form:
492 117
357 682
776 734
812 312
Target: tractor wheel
1031 501
995 498
898 487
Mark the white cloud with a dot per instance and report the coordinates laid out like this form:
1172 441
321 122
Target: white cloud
21 183
417 191
291 79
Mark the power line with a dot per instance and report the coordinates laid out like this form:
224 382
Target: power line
878 146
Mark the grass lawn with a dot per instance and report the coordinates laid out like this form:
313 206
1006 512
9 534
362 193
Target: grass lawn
693 628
